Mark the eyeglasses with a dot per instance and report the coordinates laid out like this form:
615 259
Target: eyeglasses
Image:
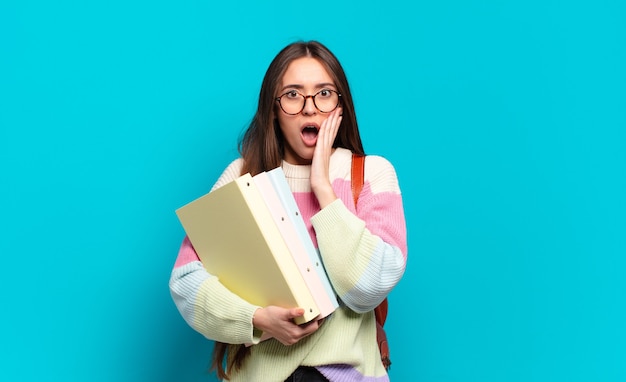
293 102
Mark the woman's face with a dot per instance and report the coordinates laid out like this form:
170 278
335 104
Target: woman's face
308 77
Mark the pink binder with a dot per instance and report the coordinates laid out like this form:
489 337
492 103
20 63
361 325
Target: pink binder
296 247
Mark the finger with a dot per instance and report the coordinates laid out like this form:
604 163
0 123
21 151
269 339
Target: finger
333 128
296 312
331 121
307 328
329 127
336 121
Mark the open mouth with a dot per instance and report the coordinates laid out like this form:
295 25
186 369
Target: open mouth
309 132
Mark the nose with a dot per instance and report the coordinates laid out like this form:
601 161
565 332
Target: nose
309 106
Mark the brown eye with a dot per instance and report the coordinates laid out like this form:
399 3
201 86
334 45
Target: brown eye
324 93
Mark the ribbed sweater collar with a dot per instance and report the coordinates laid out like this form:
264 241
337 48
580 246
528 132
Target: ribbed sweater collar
293 171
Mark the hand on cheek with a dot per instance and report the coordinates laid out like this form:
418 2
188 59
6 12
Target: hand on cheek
320 179
328 131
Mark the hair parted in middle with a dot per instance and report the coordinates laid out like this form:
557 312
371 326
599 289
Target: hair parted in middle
262 145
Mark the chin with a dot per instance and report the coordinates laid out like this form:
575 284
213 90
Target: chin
303 158
307 155
304 161
303 155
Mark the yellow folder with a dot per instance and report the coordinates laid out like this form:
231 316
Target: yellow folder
235 236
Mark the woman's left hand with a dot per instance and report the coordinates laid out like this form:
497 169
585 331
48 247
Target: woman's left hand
320 178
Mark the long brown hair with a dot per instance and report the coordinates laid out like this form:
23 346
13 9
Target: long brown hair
262 145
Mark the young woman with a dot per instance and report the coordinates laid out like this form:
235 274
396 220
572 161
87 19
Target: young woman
306 123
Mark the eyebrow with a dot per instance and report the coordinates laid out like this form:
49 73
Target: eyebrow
318 86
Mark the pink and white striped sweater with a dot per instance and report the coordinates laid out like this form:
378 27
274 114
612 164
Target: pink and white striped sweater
364 254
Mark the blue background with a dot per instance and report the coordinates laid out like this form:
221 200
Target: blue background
505 121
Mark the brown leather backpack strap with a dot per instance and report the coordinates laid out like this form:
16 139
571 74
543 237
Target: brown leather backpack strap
381 312
358 178
383 346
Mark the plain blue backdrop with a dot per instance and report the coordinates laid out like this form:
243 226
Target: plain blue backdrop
505 121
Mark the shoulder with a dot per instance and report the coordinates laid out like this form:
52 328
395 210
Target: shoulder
380 174
375 163
235 166
342 158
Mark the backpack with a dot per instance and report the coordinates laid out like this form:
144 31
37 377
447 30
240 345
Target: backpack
358 170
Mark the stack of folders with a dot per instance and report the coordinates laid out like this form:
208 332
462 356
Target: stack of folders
251 235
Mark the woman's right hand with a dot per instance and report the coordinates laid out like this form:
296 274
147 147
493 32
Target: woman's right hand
279 323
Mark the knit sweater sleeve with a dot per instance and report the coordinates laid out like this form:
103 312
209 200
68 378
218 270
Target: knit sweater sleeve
205 304
365 253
